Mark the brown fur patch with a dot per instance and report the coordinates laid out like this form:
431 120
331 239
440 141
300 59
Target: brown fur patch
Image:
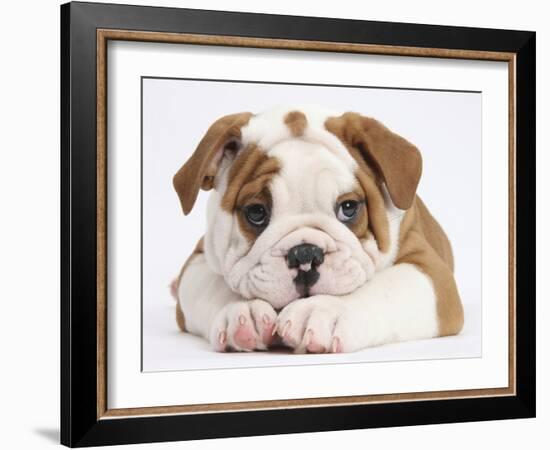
398 163
296 122
360 223
250 165
199 248
376 209
180 319
395 159
247 183
263 197
200 170
370 181
424 244
435 234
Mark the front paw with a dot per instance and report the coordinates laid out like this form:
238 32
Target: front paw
313 325
243 326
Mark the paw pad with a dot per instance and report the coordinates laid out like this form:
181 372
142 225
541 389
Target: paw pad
244 336
312 346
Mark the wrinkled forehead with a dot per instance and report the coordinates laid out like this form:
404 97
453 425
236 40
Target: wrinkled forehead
273 127
310 173
314 165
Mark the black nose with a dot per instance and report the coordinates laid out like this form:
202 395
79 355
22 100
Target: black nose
305 257
305 254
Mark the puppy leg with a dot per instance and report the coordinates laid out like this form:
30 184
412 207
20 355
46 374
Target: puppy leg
213 311
398 304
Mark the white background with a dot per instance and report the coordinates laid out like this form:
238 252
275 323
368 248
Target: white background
446 126
128 387
29 191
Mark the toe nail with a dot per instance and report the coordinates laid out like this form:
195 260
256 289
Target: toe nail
242 319
222 337
309 336
335 345
274 331
265 319
286 329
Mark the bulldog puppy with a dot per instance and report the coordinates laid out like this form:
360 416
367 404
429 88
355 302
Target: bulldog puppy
315 235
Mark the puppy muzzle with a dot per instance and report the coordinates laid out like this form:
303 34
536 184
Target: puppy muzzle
306 258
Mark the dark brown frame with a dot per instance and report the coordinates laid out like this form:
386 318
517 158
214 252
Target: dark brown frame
86 29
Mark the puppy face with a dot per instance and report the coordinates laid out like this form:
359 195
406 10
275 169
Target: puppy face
301 200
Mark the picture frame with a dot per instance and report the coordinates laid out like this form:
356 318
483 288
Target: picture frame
86 29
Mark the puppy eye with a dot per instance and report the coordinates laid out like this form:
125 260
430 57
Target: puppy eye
257 215
347 210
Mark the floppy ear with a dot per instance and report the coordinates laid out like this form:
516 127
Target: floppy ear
398 161
223 136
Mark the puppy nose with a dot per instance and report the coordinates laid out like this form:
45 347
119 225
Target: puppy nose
305 256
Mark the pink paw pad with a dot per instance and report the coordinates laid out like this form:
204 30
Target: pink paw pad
244 336
312 345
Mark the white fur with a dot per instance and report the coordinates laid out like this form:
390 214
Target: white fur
202 294
267 129
304 194
210 308
360 297
395 217
398 304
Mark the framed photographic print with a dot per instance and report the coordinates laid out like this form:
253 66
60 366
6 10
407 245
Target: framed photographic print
276 224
